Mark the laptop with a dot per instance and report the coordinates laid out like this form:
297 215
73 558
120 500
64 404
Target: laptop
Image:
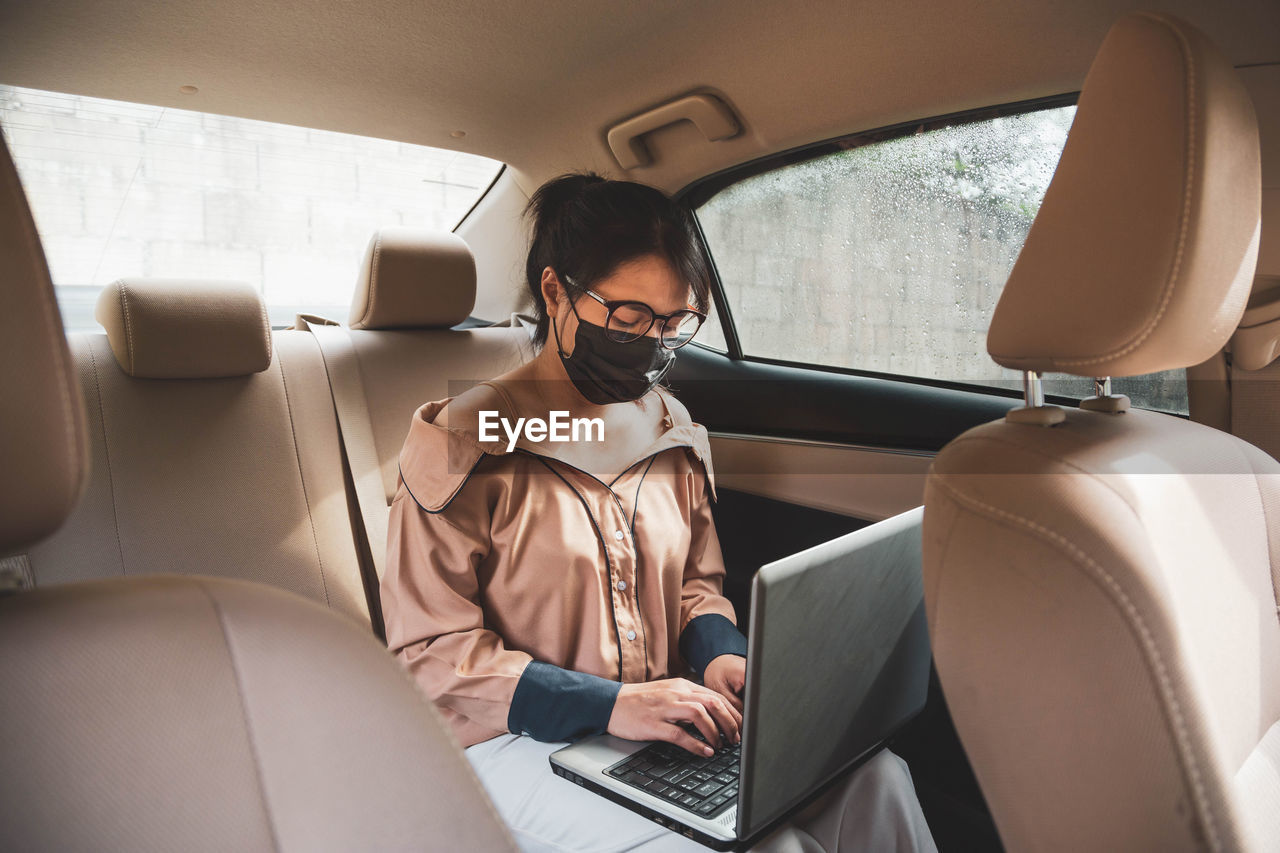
837 661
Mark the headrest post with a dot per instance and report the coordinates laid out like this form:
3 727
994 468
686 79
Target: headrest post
1035 412
1032 389
1103 400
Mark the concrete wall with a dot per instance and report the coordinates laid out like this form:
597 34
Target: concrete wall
126 190
891 258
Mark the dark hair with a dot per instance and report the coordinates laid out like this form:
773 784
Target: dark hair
585 227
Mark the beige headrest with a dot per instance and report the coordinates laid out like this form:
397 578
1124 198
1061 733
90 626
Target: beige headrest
1257 342
44 450
414 279
185 328
1143 252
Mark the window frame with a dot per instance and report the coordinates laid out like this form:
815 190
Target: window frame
483 194
700 191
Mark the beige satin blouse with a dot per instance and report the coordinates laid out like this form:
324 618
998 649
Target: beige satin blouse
520 591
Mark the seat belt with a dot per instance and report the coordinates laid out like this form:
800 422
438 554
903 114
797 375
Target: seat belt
355 429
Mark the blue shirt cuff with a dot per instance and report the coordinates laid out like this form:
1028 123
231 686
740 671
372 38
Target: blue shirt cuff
708 636
552 704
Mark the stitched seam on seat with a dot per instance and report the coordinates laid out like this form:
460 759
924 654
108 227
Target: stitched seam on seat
373 438
266 325
1154 659
128 325
373 280
1093 475
1188 178
297 455
935 629
64 394
106 448
244 714
30 240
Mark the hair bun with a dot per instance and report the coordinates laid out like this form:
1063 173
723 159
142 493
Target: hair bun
552 197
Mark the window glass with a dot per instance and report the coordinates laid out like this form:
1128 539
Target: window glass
890 256
711 335
119 189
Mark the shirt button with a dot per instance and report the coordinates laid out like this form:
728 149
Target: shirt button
631 635
617 534
622 584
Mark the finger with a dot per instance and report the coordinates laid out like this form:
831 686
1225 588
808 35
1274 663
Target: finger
732 706
735 702
728 719
684 740
715 696
737 685
696 713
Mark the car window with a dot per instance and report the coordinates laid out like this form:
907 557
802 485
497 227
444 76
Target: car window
711 335
119 189
888 256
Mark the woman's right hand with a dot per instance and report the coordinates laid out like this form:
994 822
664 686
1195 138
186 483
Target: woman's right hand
653 710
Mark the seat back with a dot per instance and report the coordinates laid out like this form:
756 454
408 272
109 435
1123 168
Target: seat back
214 442
1101 583
188 713
44 457
176 713
414 287
214 445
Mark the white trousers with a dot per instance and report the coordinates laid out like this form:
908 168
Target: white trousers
873 809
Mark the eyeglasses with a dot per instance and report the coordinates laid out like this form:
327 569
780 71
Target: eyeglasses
629 320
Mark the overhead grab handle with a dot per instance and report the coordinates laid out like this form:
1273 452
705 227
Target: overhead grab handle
707 112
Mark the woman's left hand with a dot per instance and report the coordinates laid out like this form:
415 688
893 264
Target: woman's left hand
727 675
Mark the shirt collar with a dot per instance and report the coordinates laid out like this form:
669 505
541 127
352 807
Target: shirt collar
437 461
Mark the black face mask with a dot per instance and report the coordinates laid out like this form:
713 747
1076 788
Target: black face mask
607 371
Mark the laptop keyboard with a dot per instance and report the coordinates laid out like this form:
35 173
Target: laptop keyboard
704 786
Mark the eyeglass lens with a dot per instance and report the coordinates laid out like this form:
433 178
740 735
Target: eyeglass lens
630 320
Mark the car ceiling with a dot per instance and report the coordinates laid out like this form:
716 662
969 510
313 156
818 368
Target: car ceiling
536 84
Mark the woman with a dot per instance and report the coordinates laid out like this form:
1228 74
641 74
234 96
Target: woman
542 590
